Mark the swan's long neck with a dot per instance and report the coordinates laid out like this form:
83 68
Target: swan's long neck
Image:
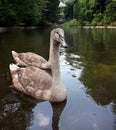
54 60
51 49
58 89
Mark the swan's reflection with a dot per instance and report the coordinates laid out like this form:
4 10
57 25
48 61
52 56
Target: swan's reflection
57 110
17 112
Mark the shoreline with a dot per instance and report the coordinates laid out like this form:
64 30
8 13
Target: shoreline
87 27
3 29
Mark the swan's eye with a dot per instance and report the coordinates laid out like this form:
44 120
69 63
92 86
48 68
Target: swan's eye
57 33
61 37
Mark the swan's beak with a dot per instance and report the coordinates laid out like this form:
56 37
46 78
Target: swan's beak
62 41
64 44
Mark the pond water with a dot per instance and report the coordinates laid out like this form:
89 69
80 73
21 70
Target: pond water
88 70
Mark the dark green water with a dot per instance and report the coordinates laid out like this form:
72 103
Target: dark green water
88 70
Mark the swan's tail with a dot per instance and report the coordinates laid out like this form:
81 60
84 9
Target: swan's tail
16 57
14 54
14 74
13 68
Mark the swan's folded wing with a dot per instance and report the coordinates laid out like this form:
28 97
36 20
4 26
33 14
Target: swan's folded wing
31 58
35 78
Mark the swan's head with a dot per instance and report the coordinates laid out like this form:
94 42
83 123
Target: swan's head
58 36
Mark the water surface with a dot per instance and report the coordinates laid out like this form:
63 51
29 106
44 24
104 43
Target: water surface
88 70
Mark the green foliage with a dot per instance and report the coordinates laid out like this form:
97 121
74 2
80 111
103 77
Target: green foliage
70 23
97 19
93 12
83 11
99 6
34 12
7 13
69 11
27 12
110 12
50 13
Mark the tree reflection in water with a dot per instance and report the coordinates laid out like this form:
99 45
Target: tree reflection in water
16 112
96 50
96 56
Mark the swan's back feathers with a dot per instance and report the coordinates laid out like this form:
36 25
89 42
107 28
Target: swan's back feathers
32 76
28 59
31 81
18 60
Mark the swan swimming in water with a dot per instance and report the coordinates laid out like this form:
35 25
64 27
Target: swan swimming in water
38 83
32 59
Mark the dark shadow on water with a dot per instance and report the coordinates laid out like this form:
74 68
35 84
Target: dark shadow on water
16 112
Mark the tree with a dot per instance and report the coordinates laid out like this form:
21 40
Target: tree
95 12
51 11
100 6
69 11
30 11
110 12
84 11
21 12
7 13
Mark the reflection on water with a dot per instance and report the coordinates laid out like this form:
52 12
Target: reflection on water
15 113
19 112
97 53
88 70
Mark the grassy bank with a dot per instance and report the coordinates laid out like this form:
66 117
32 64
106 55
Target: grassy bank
74 22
